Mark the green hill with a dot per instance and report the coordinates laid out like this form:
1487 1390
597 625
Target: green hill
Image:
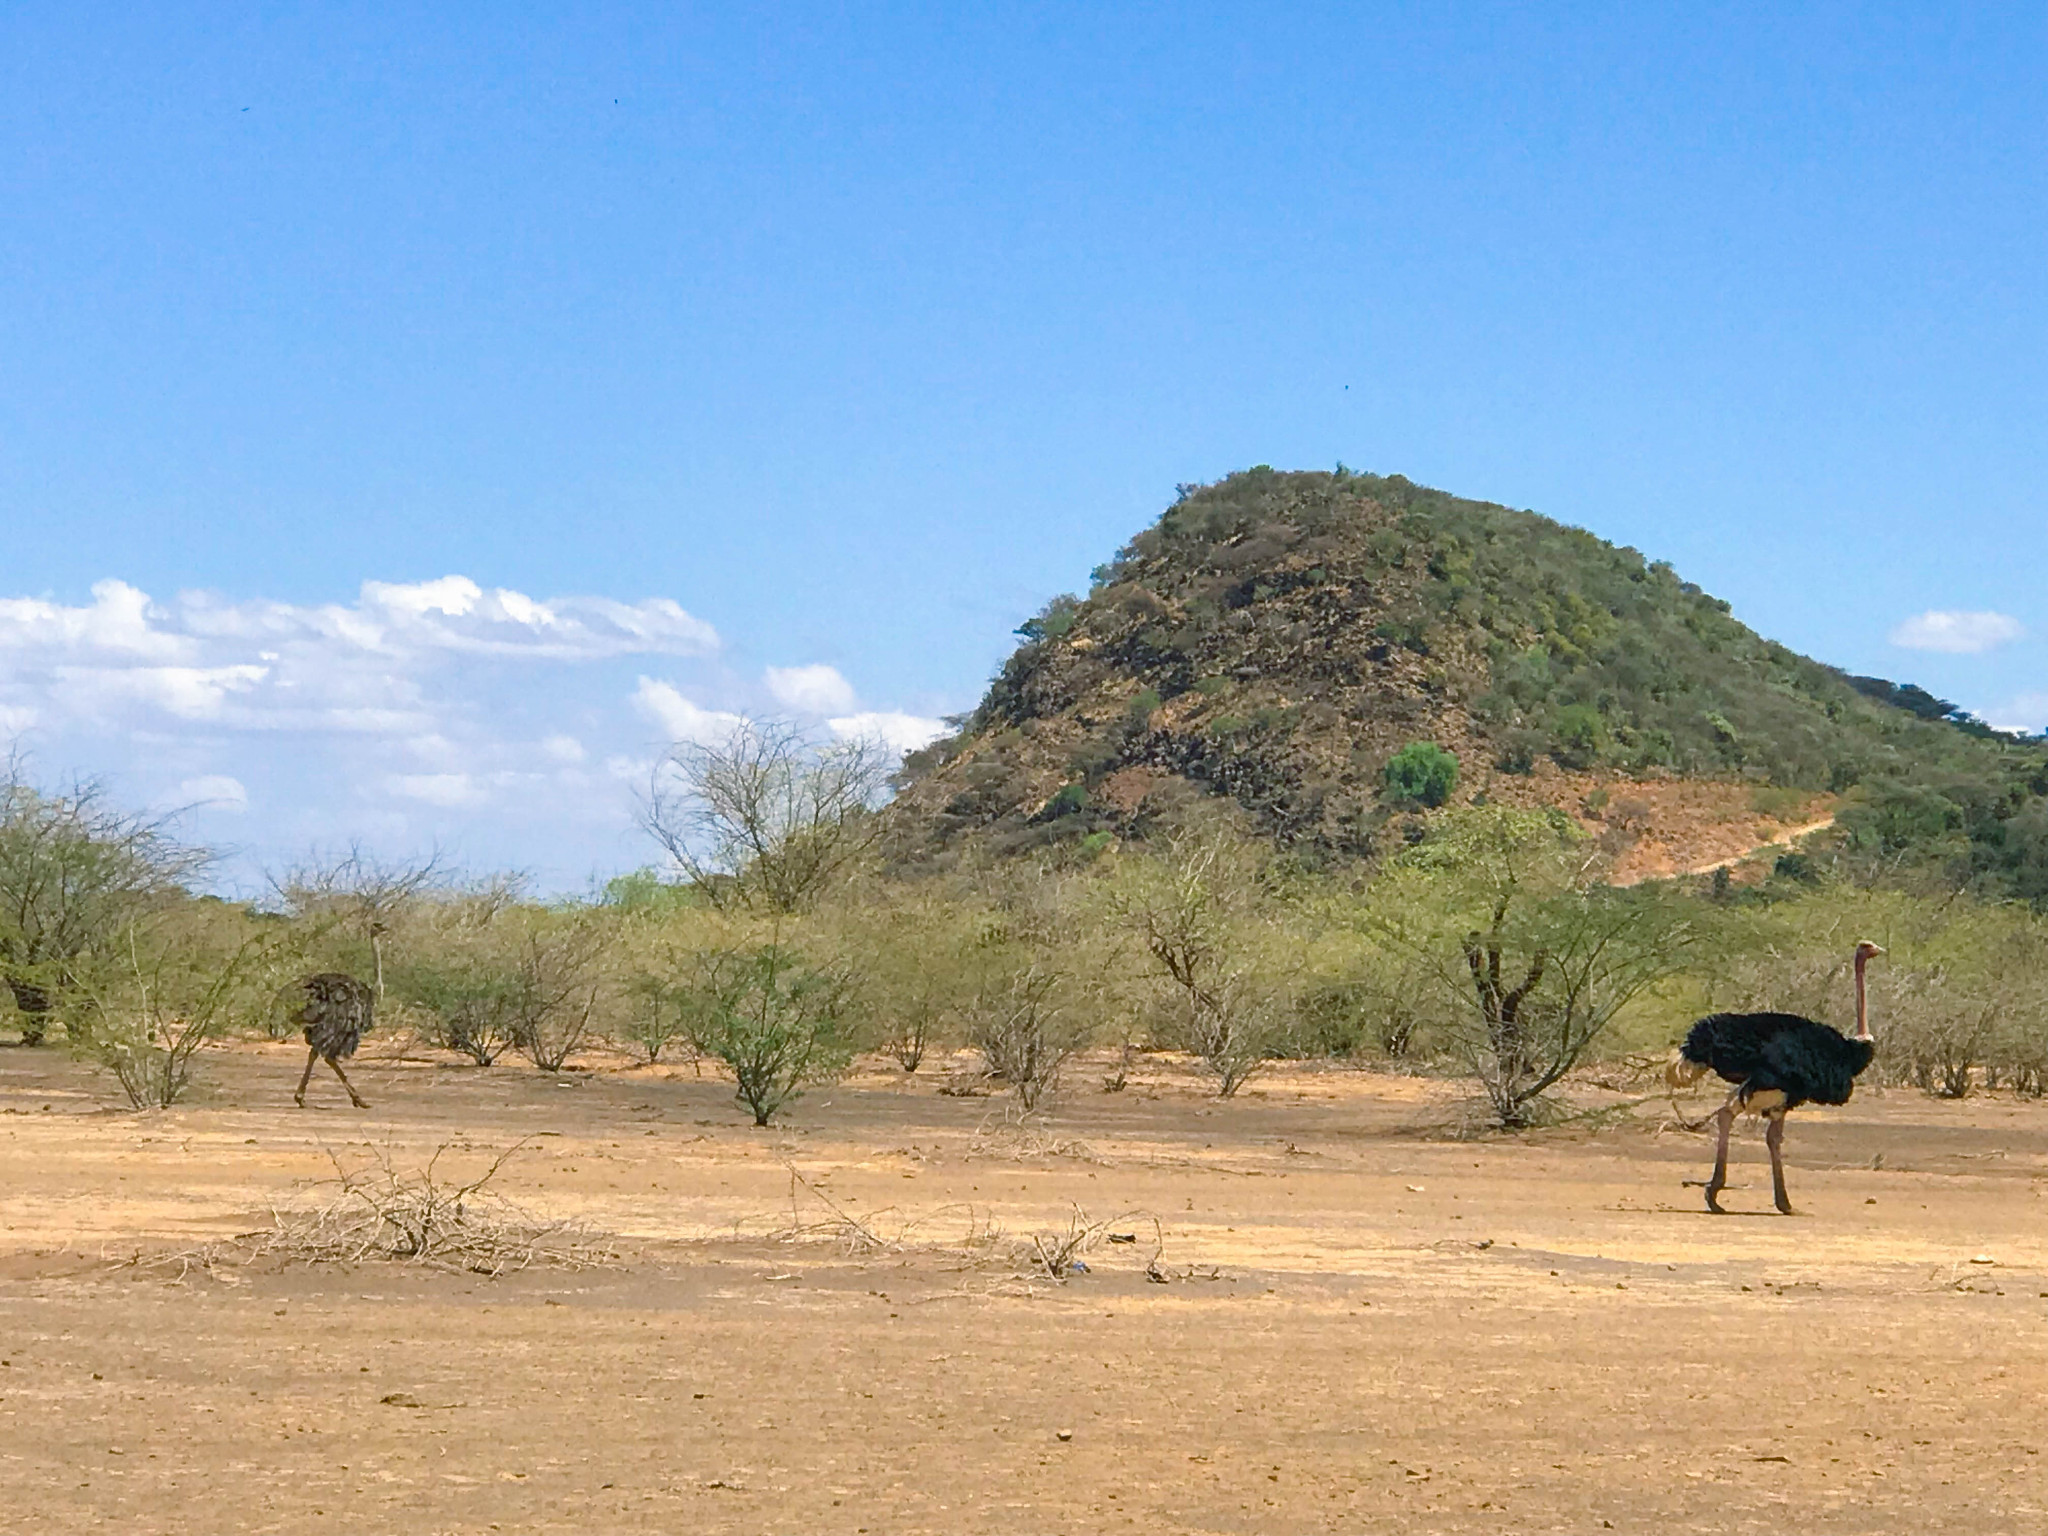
1277 637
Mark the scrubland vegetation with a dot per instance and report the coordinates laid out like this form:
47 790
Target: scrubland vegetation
1284 785
1490 949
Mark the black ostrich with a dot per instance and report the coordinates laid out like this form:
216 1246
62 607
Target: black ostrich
336 1011
1777 1061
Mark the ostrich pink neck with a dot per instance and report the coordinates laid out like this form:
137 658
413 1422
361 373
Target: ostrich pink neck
1862 1005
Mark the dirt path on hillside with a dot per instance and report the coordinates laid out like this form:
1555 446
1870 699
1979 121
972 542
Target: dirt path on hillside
1359 1324
1785 839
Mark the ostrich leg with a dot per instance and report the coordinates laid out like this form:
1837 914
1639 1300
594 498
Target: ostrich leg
353 1097
1774 1138
305 1077
1724 1119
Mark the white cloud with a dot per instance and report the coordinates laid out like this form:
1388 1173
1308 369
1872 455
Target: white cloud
2027 714
815 690
904 733
453 613
563 749
444 789
212 792
350 669
190 693
1959 634
678 718
120 621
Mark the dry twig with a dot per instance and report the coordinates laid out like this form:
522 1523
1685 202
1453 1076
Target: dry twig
379 1211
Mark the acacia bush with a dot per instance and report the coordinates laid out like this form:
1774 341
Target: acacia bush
1024 1026
768 820
653 1014
773 1016
1203 914
917 952
499 975
187 979
458 966
1039 978
1536 956
77 874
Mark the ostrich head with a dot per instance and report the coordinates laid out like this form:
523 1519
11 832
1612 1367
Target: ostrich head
1865 951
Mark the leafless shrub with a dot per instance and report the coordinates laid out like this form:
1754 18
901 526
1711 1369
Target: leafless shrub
767 819
816 1217
1021 1026
1059 1254
1015 1132
378 1211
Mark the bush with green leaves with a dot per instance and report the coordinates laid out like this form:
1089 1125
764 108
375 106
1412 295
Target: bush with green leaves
184 981
775 1018
498 976
1038 976
1504 911
918 952
1578 736
77 873
1421 773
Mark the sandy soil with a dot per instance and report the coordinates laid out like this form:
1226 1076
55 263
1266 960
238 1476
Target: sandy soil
1366 1326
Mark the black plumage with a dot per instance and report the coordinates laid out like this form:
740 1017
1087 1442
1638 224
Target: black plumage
335 1011
1806 1061
1777 1061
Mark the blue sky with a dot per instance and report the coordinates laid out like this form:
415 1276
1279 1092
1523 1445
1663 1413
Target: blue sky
410 419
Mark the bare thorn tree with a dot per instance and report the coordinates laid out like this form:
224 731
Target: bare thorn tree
768 818
359 890
1200 910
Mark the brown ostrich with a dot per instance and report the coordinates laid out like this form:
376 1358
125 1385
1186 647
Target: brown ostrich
336 1011
1777 1061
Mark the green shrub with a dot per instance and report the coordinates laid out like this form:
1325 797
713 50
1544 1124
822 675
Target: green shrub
1071 800
1421 773
1578 736
773 1019
1054 620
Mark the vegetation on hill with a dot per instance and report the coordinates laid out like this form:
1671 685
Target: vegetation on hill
1281 639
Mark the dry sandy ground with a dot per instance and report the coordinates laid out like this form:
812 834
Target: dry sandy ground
1365 1327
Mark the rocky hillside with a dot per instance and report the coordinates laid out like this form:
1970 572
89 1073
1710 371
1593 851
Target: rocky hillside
1278 637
